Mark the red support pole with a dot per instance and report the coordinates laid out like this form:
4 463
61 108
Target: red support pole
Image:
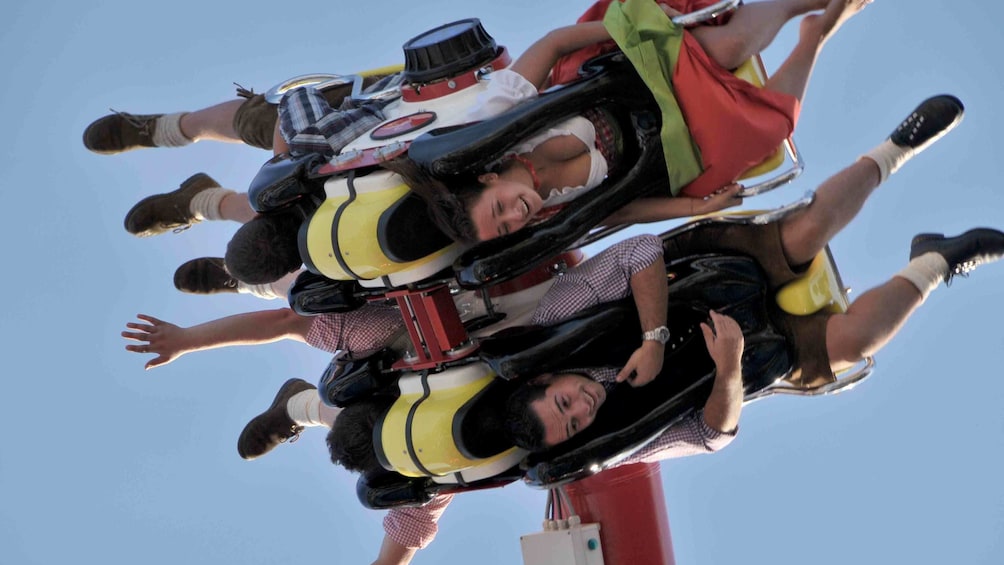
629 504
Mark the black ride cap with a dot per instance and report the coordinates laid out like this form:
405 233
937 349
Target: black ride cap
447 51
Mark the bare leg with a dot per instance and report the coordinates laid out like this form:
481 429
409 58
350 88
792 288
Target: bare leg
236 208
751 29
214 123
870 322
837 201
793 75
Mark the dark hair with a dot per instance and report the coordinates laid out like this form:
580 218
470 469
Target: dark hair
265 249
350 440
522 424
449 205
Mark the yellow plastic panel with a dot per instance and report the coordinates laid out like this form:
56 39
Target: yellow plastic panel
819 288
390 69
357 236
432 431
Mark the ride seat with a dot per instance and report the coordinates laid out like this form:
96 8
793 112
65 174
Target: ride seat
399 225
426 432
371 228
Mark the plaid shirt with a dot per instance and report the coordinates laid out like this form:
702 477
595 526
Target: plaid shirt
604 278
310 125
365 330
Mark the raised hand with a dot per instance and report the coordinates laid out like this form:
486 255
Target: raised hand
725 343
164 339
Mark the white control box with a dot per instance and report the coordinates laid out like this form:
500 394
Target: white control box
579 545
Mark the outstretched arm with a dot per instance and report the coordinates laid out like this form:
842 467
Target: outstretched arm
535 63
169 341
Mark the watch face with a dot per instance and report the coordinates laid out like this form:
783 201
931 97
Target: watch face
660 334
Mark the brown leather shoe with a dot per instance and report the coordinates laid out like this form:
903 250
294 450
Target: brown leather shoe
273 426
205 275
169 211
119 132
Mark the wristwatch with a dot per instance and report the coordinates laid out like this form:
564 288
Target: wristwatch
660 334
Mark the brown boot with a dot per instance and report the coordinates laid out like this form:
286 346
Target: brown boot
205 275
273 426
119 132
169 211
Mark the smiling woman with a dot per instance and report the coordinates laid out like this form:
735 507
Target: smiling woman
549 169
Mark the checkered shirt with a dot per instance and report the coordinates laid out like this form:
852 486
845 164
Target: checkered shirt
310 125
603 278
363 331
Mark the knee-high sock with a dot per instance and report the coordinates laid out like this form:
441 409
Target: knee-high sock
925 272
167 132
890 157
306 409
206 204
269 291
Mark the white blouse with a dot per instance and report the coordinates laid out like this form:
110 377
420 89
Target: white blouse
507 89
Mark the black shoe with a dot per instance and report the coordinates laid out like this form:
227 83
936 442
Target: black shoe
963 253
168 211
205 275
935 117
273 426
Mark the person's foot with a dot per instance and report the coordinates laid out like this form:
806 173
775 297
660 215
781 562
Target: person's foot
119 132
963 253
205 275
273 426
932 119
169 211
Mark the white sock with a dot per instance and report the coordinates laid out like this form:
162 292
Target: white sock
272 290
890 157
306 409
925 272
206 204
168 131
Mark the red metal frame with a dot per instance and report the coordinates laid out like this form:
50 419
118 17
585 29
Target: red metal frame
434 326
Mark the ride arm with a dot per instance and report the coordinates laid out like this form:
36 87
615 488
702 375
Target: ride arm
170 341
536 62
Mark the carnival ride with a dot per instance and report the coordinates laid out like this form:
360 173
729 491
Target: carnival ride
366 237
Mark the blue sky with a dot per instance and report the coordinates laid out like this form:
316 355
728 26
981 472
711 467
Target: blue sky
105 461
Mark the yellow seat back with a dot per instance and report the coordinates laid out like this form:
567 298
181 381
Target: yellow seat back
342 241
416 436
